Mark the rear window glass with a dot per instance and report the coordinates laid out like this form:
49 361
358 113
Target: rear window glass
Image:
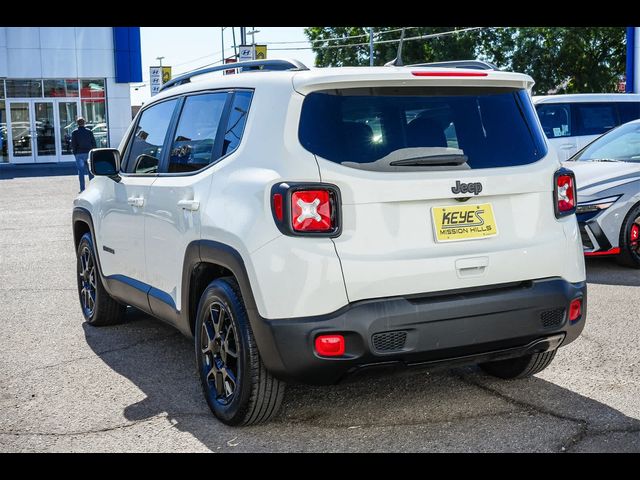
390 128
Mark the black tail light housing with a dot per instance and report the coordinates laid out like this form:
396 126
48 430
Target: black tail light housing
307 209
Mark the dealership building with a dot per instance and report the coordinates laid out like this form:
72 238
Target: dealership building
51 75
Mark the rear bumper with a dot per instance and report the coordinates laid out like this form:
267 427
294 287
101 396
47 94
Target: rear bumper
448 328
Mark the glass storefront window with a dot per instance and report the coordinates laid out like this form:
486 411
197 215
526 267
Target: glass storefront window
68 114
93 88
24 88
61 88
1 88
94 112
4 154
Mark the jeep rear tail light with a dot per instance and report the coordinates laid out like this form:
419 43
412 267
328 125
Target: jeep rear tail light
311 211
564 193
306 209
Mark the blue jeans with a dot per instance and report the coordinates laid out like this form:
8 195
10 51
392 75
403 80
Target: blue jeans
83 168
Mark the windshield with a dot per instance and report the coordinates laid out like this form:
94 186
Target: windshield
621 144
402 128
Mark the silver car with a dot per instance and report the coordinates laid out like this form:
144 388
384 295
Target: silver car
608 178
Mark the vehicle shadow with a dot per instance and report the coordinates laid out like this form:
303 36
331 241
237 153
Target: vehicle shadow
448 410
606 271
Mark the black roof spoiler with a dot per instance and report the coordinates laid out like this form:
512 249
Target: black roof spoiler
251 65
472 64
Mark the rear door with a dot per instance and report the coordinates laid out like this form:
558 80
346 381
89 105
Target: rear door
442 188
208 129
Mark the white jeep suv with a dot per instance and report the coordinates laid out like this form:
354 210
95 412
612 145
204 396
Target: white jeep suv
306 225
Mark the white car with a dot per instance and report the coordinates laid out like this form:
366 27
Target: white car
305 225
572 121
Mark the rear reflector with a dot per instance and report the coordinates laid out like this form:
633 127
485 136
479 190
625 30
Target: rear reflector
575 310
311 211
277 206
449 74
330 345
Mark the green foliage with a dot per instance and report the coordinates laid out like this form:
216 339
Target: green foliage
560 59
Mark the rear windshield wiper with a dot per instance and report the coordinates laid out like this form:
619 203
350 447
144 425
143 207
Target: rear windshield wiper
432 161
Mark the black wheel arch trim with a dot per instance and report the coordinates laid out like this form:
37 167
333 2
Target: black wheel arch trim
217 253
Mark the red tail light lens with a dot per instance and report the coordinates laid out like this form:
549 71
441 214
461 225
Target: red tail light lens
330 345
311 211
277 206
565 193
575 310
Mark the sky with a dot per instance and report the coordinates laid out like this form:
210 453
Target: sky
187 48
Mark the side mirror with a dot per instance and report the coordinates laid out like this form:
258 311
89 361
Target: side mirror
105 162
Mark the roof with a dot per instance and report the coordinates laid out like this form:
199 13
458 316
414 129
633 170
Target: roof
587 97
305 81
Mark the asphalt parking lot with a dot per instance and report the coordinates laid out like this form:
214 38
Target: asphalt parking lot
65 386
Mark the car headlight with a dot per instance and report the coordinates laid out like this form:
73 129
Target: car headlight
596 205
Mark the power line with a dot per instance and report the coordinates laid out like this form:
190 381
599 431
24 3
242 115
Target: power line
382 32
418 37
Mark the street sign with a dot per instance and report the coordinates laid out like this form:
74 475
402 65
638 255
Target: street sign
166 74
155 79
231 70
261 52
246 53
158 76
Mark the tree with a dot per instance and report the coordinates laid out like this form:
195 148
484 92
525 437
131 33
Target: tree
560 59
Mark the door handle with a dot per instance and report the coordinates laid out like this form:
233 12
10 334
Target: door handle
135 201
191 205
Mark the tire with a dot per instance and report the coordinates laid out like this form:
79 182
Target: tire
98 307
238 388
630 240
520 367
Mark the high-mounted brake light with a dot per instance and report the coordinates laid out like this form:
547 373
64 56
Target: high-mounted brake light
306 209
564 193
448 74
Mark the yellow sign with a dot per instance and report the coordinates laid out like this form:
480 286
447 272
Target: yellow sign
466 222
166 74
261 52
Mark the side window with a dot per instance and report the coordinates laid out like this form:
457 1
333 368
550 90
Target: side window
237 120
148 138
628 111
555 119
193 145
595 118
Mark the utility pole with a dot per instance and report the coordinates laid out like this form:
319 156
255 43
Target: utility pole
160 60
371 46
243 35
235 47
222 41
253 35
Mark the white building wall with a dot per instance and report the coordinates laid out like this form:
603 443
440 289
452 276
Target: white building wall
68 52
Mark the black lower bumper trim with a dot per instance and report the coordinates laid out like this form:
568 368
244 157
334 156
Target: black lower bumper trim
467 326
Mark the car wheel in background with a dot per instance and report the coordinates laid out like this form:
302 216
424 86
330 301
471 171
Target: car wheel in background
630 239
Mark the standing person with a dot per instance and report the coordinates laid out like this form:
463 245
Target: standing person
82 140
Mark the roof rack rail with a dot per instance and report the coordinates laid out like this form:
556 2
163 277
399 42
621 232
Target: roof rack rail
472 64
251 65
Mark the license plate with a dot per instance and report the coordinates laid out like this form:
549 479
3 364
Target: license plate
464 222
